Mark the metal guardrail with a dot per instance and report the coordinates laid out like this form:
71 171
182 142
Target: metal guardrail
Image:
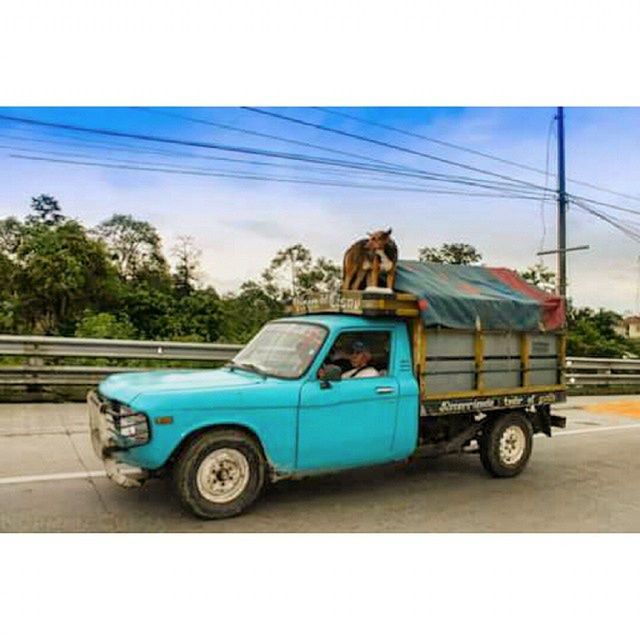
36 349
589 372
44 347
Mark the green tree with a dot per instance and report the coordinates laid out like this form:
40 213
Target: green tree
7 294
186 275
293 272
245 312
593 334
286 267
136 249
149 310
11 233
198 316
322 276
450 253
47 211
540 276
105 325
60 272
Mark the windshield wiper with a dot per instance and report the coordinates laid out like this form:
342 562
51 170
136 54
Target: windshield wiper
247 366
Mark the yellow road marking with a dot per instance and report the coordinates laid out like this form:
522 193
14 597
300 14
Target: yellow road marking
630 408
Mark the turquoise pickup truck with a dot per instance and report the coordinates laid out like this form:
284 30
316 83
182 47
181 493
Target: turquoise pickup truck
458 359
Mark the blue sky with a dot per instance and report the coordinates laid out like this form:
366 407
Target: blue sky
239 224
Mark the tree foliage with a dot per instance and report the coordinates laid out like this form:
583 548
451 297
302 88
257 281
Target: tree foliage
293 272
58 272
46 211
450 253
593 334
59 278
186 274
540 276
135 248
114 281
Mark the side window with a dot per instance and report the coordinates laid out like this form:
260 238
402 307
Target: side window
361 354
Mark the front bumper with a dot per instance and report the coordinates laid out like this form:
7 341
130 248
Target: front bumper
105 444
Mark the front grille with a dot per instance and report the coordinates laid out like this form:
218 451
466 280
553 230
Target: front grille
127 427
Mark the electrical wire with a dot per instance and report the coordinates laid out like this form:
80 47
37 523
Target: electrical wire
390 145
260 134
292 141
507 190
274 165
259 152
606 204
609 219
419 136
246 176
476 152
340 172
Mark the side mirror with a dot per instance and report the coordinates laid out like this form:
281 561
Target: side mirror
331 373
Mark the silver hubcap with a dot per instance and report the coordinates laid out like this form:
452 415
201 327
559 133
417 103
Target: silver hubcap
223 475
512 445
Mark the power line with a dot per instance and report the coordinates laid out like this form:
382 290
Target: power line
268 136
376 177
254 151
380 163
507 190
246 176
606 204
129 149
458 147
389 145
620 225
443 143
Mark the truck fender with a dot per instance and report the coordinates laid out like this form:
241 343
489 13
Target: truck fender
192 435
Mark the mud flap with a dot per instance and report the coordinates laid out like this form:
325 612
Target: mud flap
544 420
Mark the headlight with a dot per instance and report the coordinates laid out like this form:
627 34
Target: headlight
129 428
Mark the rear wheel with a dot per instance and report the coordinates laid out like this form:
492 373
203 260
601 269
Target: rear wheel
505 445
219 474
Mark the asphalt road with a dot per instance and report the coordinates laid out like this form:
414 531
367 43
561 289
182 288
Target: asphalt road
585 479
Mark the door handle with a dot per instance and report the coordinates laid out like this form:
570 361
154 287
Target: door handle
383 390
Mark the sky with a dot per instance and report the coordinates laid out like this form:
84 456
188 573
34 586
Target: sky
239 223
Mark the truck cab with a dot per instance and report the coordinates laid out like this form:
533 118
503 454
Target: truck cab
274 395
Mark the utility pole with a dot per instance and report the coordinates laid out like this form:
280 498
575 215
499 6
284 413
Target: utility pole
561 250
562 209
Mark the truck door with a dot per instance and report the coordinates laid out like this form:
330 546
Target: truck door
350 422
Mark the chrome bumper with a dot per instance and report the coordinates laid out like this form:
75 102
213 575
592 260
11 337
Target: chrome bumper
104 444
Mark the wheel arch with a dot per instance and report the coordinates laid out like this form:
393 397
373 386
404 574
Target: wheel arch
230 426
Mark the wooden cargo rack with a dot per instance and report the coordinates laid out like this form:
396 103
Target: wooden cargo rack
361 303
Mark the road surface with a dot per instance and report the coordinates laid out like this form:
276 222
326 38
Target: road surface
586 478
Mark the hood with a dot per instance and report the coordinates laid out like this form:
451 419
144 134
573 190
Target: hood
125 387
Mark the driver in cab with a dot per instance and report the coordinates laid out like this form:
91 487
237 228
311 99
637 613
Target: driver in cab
360 359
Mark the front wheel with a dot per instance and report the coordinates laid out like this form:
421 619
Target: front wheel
219 474
505 445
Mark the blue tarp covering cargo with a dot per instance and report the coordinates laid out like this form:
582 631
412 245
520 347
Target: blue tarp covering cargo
468 297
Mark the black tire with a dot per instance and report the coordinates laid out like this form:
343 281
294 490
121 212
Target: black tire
511 458
247 464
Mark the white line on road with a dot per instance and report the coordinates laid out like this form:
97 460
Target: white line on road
613 427
53 476
75 475
83 475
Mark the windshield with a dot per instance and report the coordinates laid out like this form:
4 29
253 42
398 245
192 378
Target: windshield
282 349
